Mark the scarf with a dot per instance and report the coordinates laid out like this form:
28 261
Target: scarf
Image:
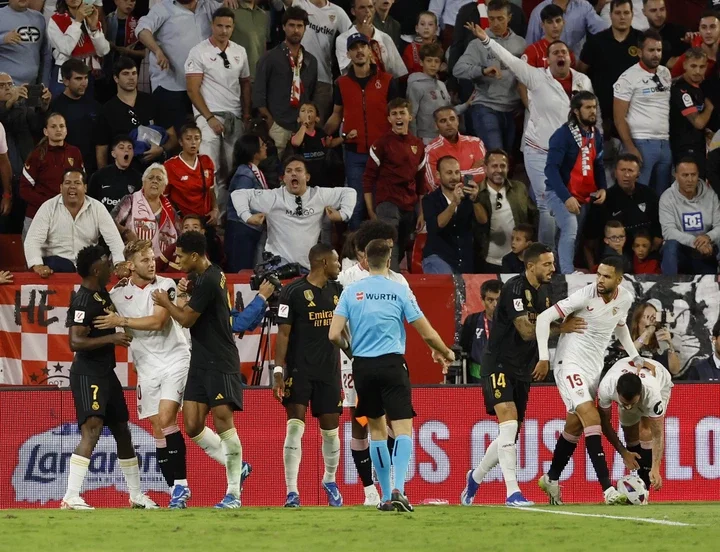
163 235
376 50
483 13
582 177
259 175
130 25
296 88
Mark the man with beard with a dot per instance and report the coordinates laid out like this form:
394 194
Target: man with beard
641 111
708 40
449 212
575 174
673 35
469 151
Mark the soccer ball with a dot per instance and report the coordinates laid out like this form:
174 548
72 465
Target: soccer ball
634 489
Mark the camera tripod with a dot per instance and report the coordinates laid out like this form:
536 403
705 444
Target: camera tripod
263 353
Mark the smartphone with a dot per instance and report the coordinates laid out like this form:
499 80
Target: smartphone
467 179
34 96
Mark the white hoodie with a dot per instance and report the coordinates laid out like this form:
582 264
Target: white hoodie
684 219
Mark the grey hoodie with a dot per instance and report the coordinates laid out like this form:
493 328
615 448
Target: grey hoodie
684 219
426 94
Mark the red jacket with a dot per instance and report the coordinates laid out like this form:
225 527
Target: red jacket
395 170
42 174
365 110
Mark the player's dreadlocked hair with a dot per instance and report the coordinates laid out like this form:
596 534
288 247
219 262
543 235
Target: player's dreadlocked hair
629 386
87 257
192 242
374 230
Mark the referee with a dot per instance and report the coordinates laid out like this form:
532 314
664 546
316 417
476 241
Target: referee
374 309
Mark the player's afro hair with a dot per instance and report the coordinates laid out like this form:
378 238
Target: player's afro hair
374 230
629 386
192 242
87 257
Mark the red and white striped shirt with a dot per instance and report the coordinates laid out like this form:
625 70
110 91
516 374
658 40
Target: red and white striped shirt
468 150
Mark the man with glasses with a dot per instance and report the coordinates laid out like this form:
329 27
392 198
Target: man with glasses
641 111
218 82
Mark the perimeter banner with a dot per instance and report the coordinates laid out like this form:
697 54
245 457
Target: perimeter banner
40 434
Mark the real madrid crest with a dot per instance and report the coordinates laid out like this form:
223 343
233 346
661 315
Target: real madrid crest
95 405
310 297
335 300
528 297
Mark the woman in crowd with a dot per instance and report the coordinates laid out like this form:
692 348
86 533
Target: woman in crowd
651 341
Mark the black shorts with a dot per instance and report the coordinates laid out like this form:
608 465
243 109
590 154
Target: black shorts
100 396
323 395
383 387
214 388
501 387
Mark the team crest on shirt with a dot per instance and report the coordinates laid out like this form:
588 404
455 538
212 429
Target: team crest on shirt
310 297
633 51
71 161
641 206
414 149
207 173
237 59
547 302
528 297
615 311
335 300
331 18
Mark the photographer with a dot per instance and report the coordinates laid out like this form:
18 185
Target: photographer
251 316
653 339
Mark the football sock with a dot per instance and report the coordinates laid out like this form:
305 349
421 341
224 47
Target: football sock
597 455
488 462
163 461
176 452
507 455
391 445
78 468
381 460
210 442
131 471
645 462
233 460
331 453
564 449
401 460
361 457
292 453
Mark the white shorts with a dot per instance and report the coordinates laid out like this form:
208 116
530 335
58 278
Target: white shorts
576 385
629 418
348 383
169 386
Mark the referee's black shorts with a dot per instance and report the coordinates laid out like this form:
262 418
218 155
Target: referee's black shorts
99 395
383 387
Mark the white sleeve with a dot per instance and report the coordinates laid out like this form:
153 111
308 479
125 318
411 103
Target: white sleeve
529 76
394 63
64 42
37 236
575 301
108 230
245 71
622 90
194 64
101 44
342 199
622 332
606 391
3 141
248 201
341 53
542 331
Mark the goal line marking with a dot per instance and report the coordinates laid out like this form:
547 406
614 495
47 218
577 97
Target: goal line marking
607 516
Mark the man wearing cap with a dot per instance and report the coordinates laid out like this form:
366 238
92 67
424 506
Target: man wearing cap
360 99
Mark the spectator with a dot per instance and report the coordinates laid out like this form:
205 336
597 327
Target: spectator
191 177
522 238
120 33
690 111
5 175
447 11
713 163
113 182
450 212
66 223
581 20
75 31
645 260
709 368
148 215
79 109
360 99
639 21
394 181
615 238
673 35
195 223
407 13
553 23
426 94
312 144
709 31
293 212
425 33
328 21
24 48
243 241
690 220
251 31
386 23
506 204
607 54
642 113
575 174
652 339
468 150
476 328
44 168
384 53
218 84
286 78
169 31
127 111
496 95
550 91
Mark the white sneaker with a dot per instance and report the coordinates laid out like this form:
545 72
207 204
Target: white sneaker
372 498
143 502
551 489
613 497
75 503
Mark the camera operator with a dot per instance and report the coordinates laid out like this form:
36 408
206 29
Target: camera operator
652 338
476 329
305 312
251 316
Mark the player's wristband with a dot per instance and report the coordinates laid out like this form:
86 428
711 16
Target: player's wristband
278 370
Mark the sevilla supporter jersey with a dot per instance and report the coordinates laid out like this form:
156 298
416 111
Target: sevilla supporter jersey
536 54
189 187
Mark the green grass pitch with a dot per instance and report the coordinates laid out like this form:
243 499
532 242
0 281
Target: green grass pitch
683 527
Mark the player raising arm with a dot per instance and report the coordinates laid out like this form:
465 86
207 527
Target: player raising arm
642 401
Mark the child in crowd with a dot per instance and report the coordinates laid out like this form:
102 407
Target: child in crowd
644 260
426 31
614 239
522 237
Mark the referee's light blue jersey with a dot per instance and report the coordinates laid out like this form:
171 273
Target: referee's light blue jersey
375 308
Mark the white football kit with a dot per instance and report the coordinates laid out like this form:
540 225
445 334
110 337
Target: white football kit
161 358
579 357
654 396
347 277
